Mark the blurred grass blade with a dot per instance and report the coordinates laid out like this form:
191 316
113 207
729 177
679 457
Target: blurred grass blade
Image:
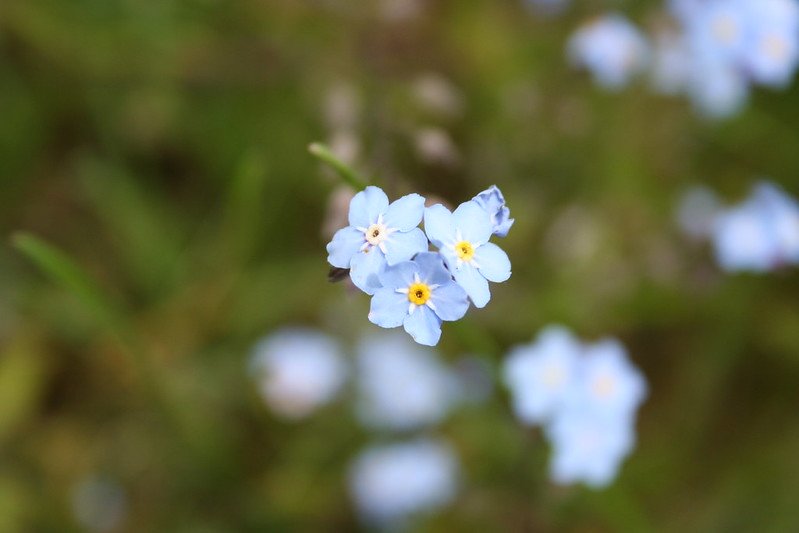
346 173
62 270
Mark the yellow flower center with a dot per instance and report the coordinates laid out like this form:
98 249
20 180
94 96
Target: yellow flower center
418 293
775 47
604 386
465 250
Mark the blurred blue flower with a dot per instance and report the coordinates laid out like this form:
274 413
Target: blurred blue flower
462 238
612 50
401 385
378 234
541 375
588 449
772 42
418 295
493 202
608 386
297 370
760 234
390 483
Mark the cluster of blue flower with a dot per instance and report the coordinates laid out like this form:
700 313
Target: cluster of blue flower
758 235
712 53
388 258
400 387
585 397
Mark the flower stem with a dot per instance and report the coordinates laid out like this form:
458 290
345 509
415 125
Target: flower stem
347 174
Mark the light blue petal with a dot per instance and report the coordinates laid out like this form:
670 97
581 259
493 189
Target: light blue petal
438 225
503 222
405 213
366 206
365 269
432 269
492 262
346 243
403 246
474 284
389 308
424 326
451 301
473 222
399 275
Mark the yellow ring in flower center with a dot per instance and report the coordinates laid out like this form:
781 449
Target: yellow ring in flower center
465 250
418 293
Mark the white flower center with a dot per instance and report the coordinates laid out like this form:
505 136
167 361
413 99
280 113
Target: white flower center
604 386
376 235
725 29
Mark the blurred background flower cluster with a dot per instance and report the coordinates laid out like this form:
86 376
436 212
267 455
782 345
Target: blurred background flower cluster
174 357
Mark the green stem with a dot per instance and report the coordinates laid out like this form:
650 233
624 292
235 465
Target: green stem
347 174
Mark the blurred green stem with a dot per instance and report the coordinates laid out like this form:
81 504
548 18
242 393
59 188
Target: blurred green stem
347 174
62 270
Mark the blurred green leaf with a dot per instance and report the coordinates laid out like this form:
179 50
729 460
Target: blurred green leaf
62 270
344 171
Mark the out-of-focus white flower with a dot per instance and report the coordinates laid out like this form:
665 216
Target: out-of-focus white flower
588 449
389 483
608 387
611 48
760 234
99 504
401 385
298 370
437 94
697 211
541 375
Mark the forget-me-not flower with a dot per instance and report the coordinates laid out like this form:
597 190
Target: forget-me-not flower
612 50
772 42
588 449
419 295
493 202
760 234
609 387
298 370
462 238
541 375
401 385
389 483
379 234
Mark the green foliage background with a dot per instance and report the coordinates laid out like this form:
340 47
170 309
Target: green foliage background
160 148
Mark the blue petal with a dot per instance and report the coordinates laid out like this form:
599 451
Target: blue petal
492 262
389 308
366 206
403 246
451 301
474 222
399 275
423 325
503 222
432 269
346 243
438 225
405 213
474 283
365 269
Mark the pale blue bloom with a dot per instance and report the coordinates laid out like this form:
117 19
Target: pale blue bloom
401 385
379 234
542 375
611 48
493 202
608 386
462 238
297 370
760 234
419 295
697 211
588 449
99 504
772 42
389 483
548 7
